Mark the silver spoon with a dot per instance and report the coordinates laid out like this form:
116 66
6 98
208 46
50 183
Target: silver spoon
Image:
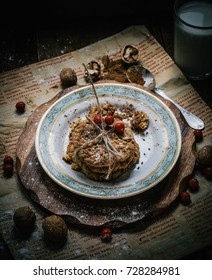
192 120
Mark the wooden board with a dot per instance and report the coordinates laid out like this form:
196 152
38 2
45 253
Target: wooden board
90 212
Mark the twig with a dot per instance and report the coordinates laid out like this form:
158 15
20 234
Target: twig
94 90
103 134
95 93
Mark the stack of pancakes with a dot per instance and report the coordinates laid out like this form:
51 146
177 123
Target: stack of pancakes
98 159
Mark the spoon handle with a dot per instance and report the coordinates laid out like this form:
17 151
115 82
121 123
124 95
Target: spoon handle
192 120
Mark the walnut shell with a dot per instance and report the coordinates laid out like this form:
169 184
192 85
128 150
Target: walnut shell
204 155
68 77
55 230
93 69
130 54
24 218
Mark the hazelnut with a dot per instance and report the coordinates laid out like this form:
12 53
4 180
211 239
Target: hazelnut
55 230
204 155
24 218
68 77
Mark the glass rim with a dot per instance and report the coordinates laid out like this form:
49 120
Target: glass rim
176 8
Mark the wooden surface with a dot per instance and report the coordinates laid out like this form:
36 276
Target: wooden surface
31 33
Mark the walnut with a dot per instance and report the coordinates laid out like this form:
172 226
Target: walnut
93 70
55 230
24 218
130 54
68 77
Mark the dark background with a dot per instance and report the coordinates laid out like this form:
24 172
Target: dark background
25 26
37 30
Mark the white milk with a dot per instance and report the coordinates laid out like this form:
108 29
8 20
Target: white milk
193 38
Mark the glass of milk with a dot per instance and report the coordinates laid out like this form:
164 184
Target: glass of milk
193 37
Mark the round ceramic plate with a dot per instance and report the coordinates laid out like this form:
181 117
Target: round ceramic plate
160 145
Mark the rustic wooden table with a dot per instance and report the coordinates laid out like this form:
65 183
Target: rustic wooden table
54 31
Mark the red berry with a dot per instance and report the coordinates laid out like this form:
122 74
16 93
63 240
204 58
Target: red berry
8 159
185 198
119 127
198 135
97 119
193 184
20 107
207 172
106 234
109 119
8 169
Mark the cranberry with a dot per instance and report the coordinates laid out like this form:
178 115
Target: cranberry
207 172
20 107
109 119
193 184
8 159
106 234
185 198
97 119
198 135
119 127
8 169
